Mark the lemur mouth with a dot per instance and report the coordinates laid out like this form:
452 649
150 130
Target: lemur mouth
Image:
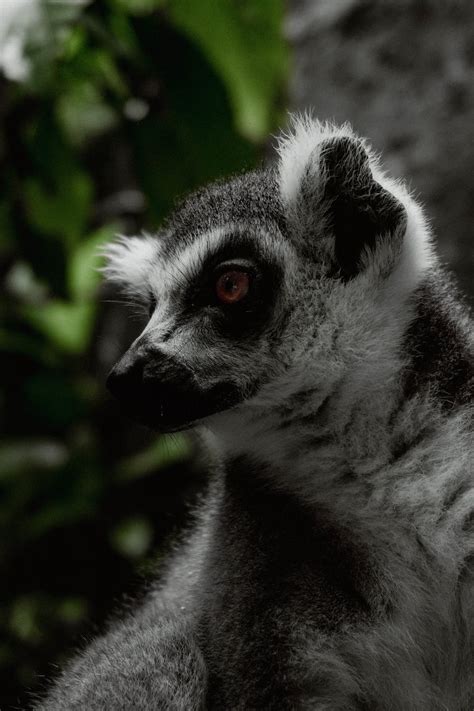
162 395
173 410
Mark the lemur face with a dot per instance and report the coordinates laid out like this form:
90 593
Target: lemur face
244 284
214 284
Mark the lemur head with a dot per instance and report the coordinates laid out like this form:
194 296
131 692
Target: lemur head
261 283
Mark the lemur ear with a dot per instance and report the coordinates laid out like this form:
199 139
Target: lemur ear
359 210
331 194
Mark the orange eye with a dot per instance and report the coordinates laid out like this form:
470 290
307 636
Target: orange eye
232 286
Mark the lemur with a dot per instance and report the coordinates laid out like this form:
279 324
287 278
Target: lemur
299 313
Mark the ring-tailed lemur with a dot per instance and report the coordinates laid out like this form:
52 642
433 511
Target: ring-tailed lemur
300 312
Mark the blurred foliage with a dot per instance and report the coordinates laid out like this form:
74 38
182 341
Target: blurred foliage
122 106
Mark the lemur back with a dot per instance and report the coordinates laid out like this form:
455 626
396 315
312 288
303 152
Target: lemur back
299 313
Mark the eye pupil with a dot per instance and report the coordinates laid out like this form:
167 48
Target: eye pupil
232 286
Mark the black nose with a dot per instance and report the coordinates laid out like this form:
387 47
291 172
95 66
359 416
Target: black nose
125 380
157 390
144 373
150 386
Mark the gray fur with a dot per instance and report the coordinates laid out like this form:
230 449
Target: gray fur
331 566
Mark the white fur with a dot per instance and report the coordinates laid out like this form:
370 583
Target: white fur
128 263
295 148
298 146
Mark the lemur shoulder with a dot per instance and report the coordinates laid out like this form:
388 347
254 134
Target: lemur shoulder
300 314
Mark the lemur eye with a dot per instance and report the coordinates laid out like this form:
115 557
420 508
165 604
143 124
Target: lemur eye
232 286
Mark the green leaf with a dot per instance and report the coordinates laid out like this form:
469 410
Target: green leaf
67 325
46 38
24 619
243 41
21 456
84 263
132 537
74 43
167 450
72 610
63 210
194 140
140 7
83 113
25 345
22 283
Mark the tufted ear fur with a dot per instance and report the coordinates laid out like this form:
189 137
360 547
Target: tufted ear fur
128 261
360 211
334 194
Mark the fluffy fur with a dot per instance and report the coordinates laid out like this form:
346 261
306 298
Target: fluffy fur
331 567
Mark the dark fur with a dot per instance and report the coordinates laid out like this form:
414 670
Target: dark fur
440 359
270 558
234 622
251 198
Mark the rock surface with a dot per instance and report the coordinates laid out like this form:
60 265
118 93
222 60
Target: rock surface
402 73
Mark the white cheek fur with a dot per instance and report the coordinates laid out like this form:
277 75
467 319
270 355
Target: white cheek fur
129 261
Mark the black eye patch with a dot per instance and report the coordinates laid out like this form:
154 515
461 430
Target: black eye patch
245 315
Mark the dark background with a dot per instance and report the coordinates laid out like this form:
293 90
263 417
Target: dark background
120 106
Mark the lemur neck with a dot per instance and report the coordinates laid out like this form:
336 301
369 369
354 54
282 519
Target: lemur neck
333 414
324 430
359 441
